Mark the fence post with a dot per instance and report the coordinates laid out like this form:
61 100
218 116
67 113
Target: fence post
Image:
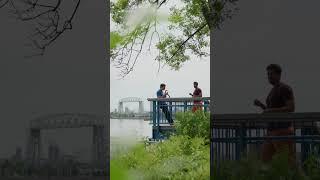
243 136
241 145
154 118
305 147
185 106
158 119
205 105
212 162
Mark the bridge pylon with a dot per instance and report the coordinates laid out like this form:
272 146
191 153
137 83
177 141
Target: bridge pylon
34 149
129 100
120 108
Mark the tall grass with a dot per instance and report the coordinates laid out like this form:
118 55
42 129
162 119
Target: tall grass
251 168
185 155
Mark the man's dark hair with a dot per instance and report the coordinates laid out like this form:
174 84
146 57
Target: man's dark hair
274 67
195 83
162 85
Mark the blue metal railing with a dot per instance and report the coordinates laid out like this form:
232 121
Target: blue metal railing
163 110
237 135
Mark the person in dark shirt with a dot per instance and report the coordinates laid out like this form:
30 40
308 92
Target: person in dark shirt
279 100
163 105
196 93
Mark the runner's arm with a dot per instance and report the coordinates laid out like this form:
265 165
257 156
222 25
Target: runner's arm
288 108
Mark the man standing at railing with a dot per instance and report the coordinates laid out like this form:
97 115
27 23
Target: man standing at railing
163 105
196 93
279 100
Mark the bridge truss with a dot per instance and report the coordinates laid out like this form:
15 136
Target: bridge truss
68 120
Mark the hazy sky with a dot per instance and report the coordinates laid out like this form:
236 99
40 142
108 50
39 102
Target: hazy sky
269 31
71 77
145 81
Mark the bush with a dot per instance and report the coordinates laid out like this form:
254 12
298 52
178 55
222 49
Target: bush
185 155
250 168
180 157
195 124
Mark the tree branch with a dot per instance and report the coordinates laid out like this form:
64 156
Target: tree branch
46 17
3 3
124 55
185 41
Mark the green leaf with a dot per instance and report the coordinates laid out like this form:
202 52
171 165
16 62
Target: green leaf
185 19
115 39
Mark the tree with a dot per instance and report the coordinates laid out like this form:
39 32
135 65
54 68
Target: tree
50 18
189 25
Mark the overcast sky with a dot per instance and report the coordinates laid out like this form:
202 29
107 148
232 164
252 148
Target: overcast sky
144 81
269 31
71 77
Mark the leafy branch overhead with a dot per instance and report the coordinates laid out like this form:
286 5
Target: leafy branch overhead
188 26
50 19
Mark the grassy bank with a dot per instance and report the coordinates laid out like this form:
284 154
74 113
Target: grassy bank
185 155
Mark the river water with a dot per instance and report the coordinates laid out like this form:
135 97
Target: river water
126 132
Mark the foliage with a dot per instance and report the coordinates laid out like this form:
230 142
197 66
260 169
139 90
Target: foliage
312 166
189 24
50 19
182 156
250 168
195 124
117 171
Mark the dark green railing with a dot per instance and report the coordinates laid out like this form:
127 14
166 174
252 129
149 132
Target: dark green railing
237 135
158 107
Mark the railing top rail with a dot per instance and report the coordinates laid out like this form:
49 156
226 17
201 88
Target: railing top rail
304 116
180 99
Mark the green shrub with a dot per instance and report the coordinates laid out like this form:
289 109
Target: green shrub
185 155
195 124
311 166
179 157
118 171
250 168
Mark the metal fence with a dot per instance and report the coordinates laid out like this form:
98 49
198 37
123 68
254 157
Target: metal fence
164 109
236 135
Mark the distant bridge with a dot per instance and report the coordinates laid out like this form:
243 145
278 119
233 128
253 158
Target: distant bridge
129 100
68 120
145 116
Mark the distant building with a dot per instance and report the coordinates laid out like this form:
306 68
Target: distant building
18 155
53 153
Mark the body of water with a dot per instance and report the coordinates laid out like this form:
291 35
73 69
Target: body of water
130 128
127 132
